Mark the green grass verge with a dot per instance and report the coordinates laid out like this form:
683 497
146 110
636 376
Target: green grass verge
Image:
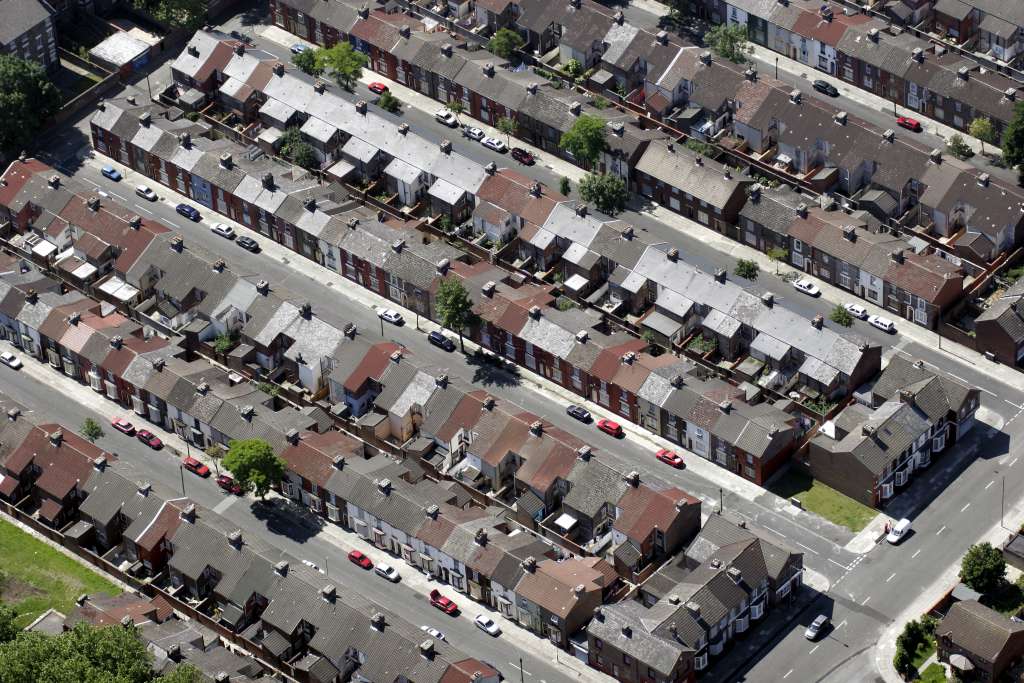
35 577
933 673
823 500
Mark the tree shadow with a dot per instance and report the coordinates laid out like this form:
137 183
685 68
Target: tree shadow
254 14
490 370
287 518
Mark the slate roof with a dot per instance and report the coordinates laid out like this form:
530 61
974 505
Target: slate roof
981 630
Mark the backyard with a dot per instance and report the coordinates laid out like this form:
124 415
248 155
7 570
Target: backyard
823 500
35 577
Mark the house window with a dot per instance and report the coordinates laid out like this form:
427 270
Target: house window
798 246
598 643
627 660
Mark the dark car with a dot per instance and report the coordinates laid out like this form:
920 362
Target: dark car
248 243
188 212
149 438
522 156
579 412
826 87
441 341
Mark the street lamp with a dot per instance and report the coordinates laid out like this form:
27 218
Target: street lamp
776 68
181 471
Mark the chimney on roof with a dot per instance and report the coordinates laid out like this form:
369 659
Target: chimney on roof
697 160
185 140
535 312
202 387
338 462
145 118
721 274
801 210
627 631
396 356
584 453
633 478
481 537
768 299
619 18
906 396
31 296
935 156
441 381
628 233
361 107
488 403
918 55
672 254
705 58
384 486
488 69
873 34
868 430
488 288
281 568
188 513
13 414
727 174
235 539
405 31
678 381
963 73
1010 94
427 649
432 511
93 203
350 330
381 216
537 428
130 99
263 287
531 88
889 135
279 69
535 189
725 406
442 266
795 96
446 146
850 233
681 504
491 168
575 108
693 608
446 49
377 621
840 118
306 310
320 87
247 412
398 245
984 179
817 322
268 180
735 574
116 341
364 12
193 50
100 463
628 357
403 129
82 599
102 105
574 4
896 256
530 564
218 265
292 435
222 677
328 593
135 222
309 203
127 622
599 613
750 74
662 37
177 243
240 49
74 318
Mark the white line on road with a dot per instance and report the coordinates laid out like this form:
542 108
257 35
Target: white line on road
940 531
838 564
989 484
865 601
787 673
516 666
1013 462
806 548
814 648
841 624
172 223
777 533
144 210
891 577
118 196
965 507
916 553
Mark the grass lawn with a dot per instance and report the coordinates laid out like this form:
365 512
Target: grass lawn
934 673
35 577
823 500
924 651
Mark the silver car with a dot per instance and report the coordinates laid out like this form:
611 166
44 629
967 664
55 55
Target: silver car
817 627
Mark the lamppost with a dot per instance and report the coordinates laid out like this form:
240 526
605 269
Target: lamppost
181 471
776 68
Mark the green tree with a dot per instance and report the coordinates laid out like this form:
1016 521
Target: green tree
983 567
776 255
585 140
505 42
958 147
8 629
456 107
85 653
573 68
746 269
1013 137
565 186
606 192
27 100
343 61
983 129
508 127
307 62
841 316
254 465
902 661
729 41
297 150
215 452
183 673
91 430
389 102
223 343
454 307
187 14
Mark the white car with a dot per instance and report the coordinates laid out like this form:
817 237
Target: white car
446 117
473 133
388 572
433 632
806 286
856 310
223 230
495 144
146 192
487 625
884 324
10 360
390 315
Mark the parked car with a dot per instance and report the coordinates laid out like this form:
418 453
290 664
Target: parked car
195 467
898 532
442 603
145 192
609 427
579 412
806 286
487 625
446 117
909 123
441 341
825 87
122 425
111 172
882 323
523 156
150 439
223 230
391 316
227 483
189 212
248 243
10 360
473 133
817 627
388 572
856 310
495 144
434 633
298 48
378 88
358 558
669 458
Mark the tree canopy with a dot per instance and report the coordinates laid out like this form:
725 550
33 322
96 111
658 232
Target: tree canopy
343 61
1013 137
958 147
606 192
508 127
297 150
454 307
187 14
729 41
91 429
841 316
747 269
27 100
983 129
253 464
307 62
505 42
983 567
586 139
389 102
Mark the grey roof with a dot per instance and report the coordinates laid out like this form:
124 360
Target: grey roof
934 392
661 654
20 16
592 485
894 428
981 630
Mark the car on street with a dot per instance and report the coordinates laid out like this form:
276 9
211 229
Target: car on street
378 88
224 230
358 558
825 87
898 532
523 156
446 117
195 467
248 243
669 457
441 341
817 627
146 192
388 572
10 360
908 123
494 144
610 427
487 625
150 439
473 133
446 605
882 323
856 310
806 286
390 315
579 412
227 483
298 48
189 212
122 425
111 172
433 632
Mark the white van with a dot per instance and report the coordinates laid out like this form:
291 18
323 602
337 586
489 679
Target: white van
898 531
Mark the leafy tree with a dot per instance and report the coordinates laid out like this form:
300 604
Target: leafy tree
1013 137
508 127
223 343
91 429
308 63
297 150
607 192
183 673
8 629
454 307
983 129
777 254
902 661
586 139
841 316
343 61
27 100
456 107
187 14
983 567
958 147
647 336
729 41
215 452
746 269
389 102
269 388
85 653
565 186
254 465
505 42
573 68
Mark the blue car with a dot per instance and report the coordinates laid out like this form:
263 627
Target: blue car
187 211
111 172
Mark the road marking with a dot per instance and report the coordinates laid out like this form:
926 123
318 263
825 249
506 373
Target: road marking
989 484
1013 462
172 223
144 210
865 601
222 506
814 648
787 673
777 533
891 577
916 553
842 624
965 507
940 531
516 666
839 564
806 548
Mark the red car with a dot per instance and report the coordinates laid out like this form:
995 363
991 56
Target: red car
909 123
195 467
123 425
356 557
522 156
442 603
229 485
378 88
669 457
149 438
609 427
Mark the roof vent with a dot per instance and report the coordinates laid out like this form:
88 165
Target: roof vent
235 539
432 511
984 179
889 135
582 336
281 568
575 108
705 58
328 593
768 299
263 287
672 254
384 486
840 118
488 288
918 54
795 96
817 322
